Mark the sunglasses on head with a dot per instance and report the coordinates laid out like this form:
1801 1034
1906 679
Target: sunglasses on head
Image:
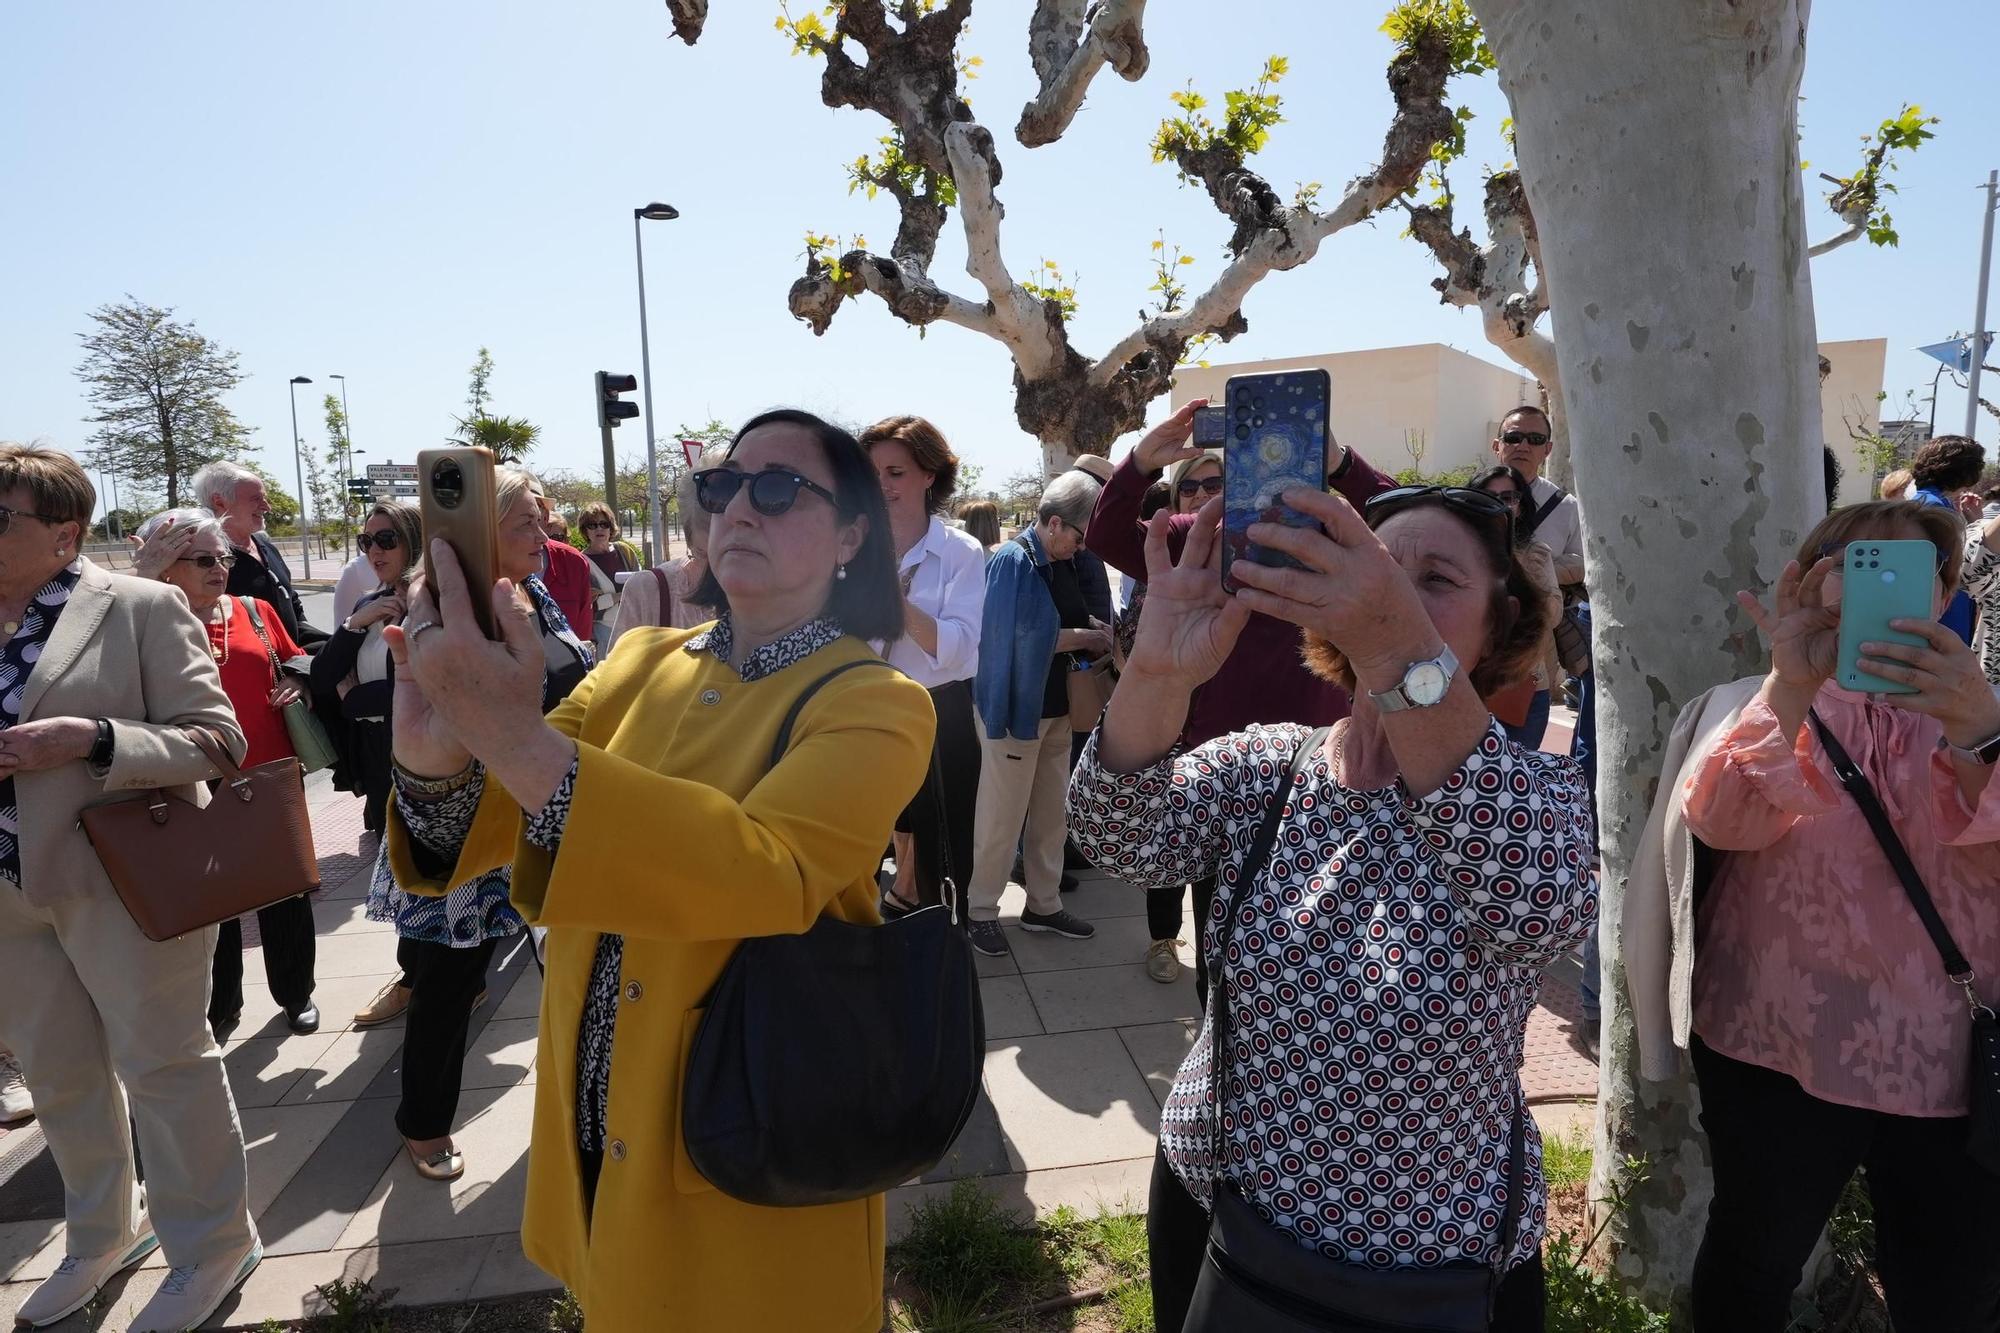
1461 500
385 540
772 491
1534 437
1190 487
206 561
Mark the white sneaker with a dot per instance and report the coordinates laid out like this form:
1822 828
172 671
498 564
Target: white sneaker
193 1292
15 1103
76 1282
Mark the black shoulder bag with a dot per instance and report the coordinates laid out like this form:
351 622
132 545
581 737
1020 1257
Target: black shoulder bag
1982 1141
839 1063
1258 1279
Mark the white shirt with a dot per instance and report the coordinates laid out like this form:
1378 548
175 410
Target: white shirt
950 587
356 582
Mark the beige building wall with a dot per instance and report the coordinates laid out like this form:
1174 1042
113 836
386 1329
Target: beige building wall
1385 399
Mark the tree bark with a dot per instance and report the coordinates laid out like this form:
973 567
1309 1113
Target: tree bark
1660 149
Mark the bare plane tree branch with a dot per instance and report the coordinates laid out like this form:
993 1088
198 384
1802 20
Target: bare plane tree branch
1068 43
1072 403
689 16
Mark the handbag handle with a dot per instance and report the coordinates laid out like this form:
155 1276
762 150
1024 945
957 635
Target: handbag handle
218 755
1856 782
1255 862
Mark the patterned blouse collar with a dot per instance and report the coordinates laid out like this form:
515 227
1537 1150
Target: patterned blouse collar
773 657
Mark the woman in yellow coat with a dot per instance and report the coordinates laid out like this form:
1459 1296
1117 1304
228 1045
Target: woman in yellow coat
648 833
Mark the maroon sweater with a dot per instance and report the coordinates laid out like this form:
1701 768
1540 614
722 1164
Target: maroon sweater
1263 679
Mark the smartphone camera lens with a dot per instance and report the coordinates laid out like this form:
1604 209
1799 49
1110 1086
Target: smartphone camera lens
1242 431
447 484
1257 403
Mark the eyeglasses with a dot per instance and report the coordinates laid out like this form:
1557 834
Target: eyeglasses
385 540
1189 488
1534 437
592 527
206 561
7 516
772 491
1461 500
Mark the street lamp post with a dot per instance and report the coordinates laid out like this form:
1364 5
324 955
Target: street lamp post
655 212
305 541
347 462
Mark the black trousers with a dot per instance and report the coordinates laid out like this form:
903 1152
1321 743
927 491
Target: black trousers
369 742
1177 1239
444 983
290 948
1782 1158
936 829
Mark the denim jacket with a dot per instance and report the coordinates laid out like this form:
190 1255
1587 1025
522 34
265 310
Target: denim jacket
1017 640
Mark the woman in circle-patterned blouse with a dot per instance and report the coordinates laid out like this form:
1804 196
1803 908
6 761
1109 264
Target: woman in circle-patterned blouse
1385 963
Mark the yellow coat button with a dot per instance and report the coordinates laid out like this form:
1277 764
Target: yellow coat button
617 1150
633 990
711 697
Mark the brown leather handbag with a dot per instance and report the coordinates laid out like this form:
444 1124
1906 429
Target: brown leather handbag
179 867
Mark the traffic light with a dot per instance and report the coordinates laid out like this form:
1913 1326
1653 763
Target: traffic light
611 409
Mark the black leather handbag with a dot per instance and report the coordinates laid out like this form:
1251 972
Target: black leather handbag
1257 1279
1982 1140
839 1063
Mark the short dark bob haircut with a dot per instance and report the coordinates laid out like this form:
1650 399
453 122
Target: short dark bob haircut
868 603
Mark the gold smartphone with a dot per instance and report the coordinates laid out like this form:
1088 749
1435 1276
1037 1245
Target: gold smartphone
460 504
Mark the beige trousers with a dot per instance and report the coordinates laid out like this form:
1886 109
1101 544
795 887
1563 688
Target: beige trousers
1020 781
97 1012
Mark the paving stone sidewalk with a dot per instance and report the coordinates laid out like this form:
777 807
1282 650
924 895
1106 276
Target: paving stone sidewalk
1082 1047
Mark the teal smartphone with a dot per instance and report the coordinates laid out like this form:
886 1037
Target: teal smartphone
1881 582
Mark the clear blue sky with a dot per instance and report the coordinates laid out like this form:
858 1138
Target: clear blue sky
379 189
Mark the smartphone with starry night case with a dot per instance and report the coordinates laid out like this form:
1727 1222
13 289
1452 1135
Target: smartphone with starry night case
1275 440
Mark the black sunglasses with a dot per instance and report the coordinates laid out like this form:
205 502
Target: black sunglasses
1205 486
1461 500
385 540
206 561
1534 437
772 491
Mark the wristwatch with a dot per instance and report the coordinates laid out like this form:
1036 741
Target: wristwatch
1424 685
101 749
1986 753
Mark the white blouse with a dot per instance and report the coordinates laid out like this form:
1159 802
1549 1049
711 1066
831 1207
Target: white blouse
947 573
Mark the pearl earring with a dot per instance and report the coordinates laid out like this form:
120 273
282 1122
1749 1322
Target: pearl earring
840 572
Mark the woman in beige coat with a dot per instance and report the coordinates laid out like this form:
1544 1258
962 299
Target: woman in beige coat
99 676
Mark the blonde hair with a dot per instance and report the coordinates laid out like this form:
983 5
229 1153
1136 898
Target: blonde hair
509 483
60 488
1896 483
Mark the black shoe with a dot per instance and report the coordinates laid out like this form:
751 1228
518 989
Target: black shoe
1066 924
988 938
221 1027
303 1020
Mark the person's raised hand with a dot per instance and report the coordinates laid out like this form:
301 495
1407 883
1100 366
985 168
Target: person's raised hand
1350 590
1804 634
164 545
391 609
1170 441
1949 682
1190 625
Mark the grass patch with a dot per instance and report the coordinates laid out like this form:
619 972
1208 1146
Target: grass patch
1566 1159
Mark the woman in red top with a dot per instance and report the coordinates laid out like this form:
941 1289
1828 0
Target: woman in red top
186 547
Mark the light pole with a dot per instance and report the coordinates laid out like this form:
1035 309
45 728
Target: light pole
347 463
655 212
305 542
1978 341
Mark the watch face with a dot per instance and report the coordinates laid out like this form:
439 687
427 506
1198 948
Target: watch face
1426 684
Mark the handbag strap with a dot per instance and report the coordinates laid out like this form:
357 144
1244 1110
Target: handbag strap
1255 862
935 779
1863 792
666 595
249 605
1548 506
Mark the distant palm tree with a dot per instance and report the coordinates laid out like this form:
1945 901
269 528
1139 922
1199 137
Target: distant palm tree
510 438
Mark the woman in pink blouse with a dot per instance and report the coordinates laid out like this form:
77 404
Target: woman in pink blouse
1826 1035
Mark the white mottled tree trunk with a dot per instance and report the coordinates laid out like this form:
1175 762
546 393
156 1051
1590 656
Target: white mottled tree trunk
1659 143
